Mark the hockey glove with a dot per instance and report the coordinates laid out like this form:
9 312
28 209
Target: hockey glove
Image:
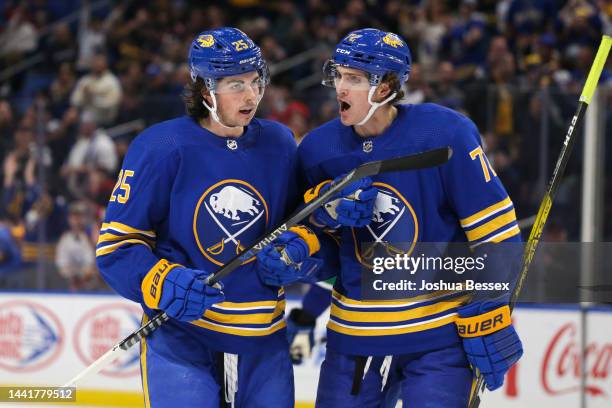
300 334
288 259
351 207
489 340
184 296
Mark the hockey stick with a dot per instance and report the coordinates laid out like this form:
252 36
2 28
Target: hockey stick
424 160
553 184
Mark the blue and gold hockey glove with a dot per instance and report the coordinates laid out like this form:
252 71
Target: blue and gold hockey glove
183 295
300 334
352 207
288 259
489 339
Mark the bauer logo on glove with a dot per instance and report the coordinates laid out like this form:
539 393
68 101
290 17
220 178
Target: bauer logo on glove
484 324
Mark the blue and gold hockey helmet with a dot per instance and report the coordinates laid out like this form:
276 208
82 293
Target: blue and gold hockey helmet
224 52
373 51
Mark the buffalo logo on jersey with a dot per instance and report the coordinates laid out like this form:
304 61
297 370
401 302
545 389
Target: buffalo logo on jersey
229 216
394 228
206 40
393 40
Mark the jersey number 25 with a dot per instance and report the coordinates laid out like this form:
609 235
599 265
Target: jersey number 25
123 186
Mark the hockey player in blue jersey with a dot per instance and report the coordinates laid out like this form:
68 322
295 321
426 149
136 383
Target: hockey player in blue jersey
421 344
191 194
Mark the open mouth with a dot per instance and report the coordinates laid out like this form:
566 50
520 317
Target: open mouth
246 111
344 106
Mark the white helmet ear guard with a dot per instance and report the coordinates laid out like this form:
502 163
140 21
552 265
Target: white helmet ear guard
213 110
374 105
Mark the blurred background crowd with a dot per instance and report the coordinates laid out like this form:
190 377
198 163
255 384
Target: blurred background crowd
80 79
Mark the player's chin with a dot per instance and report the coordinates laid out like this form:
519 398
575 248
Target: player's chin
347 119
244 119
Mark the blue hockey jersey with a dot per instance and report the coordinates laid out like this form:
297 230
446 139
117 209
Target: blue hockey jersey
187 196
462 200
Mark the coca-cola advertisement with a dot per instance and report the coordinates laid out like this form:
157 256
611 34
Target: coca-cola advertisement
551 371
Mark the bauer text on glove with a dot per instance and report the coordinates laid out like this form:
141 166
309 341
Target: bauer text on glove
179 291
489 339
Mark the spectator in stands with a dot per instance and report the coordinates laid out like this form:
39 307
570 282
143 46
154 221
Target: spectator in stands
529 16
580 25
19 188
417 89
75 255
93 150
60 89
445 89
490 100
98 92
92 41
7 124
465 43
426 28
272 50
19 36
59 48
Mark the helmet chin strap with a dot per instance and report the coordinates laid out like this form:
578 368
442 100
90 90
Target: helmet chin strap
374 105
213 111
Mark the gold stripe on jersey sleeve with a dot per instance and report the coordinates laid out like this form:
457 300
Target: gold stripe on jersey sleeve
251 318
508 234
374 331
390 303
491 226
111 248
109 237
399 316
117 226
247 305
241 331
487 212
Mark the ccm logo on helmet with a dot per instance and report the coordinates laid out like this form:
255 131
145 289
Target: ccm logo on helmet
341 51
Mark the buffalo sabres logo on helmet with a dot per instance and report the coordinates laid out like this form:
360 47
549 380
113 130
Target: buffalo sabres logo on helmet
229 216
393 230
352 37
393 40
206 40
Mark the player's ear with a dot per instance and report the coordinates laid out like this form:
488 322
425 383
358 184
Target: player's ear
206 96
382 92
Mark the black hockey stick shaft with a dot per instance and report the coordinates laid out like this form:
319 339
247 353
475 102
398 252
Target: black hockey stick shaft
553 185
427 159
423 160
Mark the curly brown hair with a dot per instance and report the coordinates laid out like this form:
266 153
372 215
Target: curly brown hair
192 97
392 80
